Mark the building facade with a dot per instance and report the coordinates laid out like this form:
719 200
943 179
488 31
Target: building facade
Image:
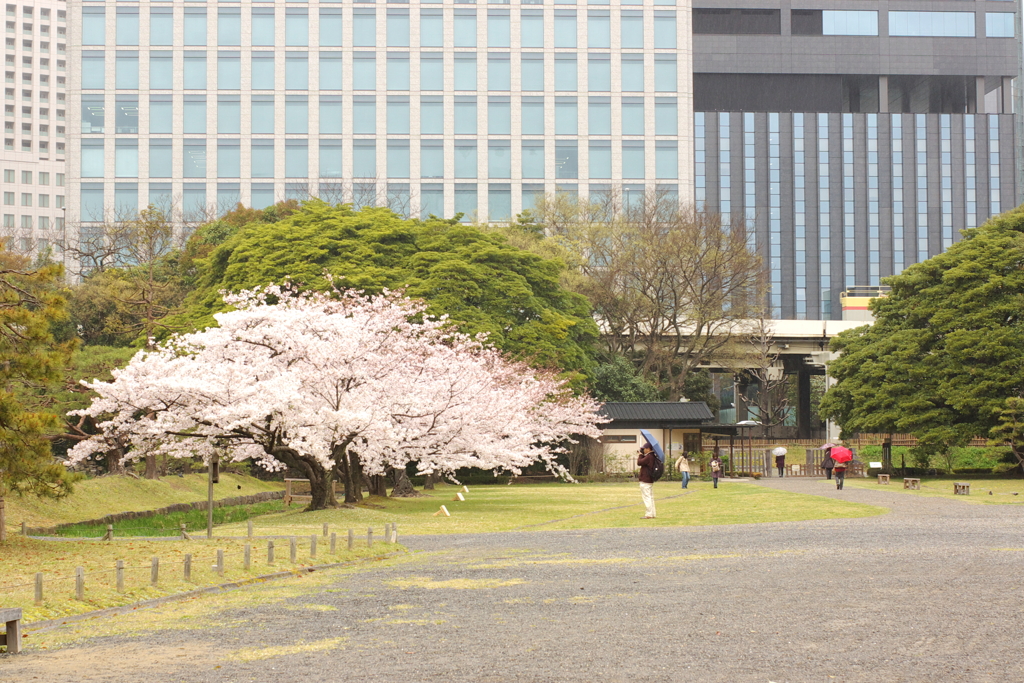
429 107
35 68
852 139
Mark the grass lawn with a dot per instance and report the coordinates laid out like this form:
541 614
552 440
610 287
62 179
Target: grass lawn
1002 489
94 498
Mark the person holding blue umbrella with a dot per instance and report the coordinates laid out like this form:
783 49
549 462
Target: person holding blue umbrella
651 463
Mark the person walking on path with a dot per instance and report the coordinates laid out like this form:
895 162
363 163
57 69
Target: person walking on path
683 465
840 468
780 460
646 463
716 468
828 463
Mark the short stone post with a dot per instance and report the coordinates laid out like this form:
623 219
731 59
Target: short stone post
247 556
39 588
120 576
351 539
184 533
270 552
109 536
312 546
79 583
334 543
24 529
248 529
220 562
293 549
394 533
369 537
154 572
188 567
325 529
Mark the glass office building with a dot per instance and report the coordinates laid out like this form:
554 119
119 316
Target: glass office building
427 107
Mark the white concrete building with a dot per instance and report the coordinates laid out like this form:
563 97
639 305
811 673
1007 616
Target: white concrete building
431 107
35 67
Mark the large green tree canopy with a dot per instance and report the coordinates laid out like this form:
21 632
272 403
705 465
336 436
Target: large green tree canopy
475 277
945 357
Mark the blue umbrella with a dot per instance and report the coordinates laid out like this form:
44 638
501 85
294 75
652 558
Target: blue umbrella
654 443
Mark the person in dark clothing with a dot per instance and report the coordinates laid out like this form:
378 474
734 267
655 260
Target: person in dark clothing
828 463
646 463
780 463
840 468
716 469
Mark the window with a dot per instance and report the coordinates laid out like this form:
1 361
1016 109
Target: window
565 28
665 73
633 159
161 114
432 159
364 27
92 117
92 201
431 115
262 195
999 24
330 27
666 159
499 116
465 28
296 71
566 159
498 28
364 71
533 115
195 71
195 26
262 26
229 26
565 72
398 71
93 67
532 28
9 175
465 71
296 115
465 201
364 115
599 73
193 198
9 198
194 118
229 114
126 114
330 71
664 30
330 158
533 71
296 27
330 115
161 70
932 24
499 71
499 201
632 116
465 159
618 438
632 73
92 158
722 21
599 29
431 71
26 199
398 27
44 179
398 158
465 115
229 195
431 28
262 159
94 28
632 28
126 158
296 158
262 114
262 70
834 23
666 116
566 116
127 25
398 116
127 70
431 200
599 116
499 159
600 159
229 70
364 158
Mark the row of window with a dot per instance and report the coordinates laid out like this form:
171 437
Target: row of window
42 201
811 22
27 29
44 223
28 11
462 72
10 176
431 24
43 112
27 146
398 114
667 3
44 46
462 156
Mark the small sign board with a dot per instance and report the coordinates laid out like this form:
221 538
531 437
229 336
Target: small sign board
875 465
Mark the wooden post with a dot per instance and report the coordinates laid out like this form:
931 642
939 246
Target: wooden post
334 543
120 576
248 556
325 529
39 588
184 533
351 539
24 529
79 583
3 521
188 567
220 562
369 537
154 572
249 528
312 546
270 552
293 549
109 536
394 533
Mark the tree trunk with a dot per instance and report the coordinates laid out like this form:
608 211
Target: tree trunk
114 465
432 479
3 521
319 478
354 480
151 472
378 485
403 486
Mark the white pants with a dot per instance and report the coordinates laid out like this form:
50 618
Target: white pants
647 493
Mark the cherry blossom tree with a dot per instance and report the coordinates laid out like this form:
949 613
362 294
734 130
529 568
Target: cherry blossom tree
337 384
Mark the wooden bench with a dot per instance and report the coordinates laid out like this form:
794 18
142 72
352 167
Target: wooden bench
290 497
961 488
12 639
883 478
912 483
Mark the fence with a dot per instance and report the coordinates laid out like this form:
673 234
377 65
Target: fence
192 569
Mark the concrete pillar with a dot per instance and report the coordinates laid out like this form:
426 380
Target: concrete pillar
979 89
883 94
1007 95
803 410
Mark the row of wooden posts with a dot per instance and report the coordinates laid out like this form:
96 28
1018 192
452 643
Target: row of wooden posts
390 536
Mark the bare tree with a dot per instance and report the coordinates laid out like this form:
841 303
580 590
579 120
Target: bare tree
763 367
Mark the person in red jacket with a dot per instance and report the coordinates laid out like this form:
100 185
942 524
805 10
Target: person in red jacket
646 463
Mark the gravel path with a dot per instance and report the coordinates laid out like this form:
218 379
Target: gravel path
925 593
